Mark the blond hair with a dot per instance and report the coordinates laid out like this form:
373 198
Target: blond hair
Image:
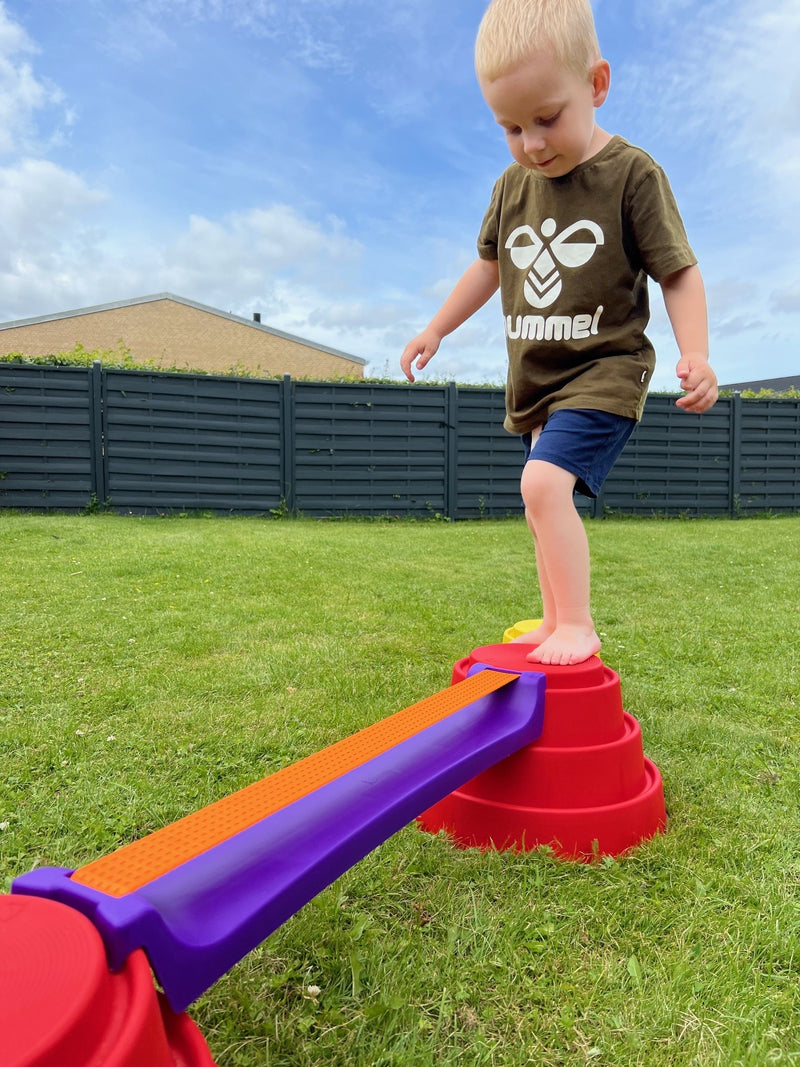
512 30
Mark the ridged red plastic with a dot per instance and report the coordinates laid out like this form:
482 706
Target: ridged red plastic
583 704
584 788
60 1006
574 776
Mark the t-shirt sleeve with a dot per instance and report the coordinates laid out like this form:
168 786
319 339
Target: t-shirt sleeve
490 228
658 229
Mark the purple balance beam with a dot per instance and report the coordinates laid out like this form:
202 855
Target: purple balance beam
202 917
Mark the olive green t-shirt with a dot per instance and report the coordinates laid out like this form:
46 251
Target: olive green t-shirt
574 254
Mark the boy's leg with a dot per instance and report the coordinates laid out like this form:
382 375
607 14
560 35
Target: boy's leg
562 559
548 623
575 448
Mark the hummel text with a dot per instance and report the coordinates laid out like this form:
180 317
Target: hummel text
552 328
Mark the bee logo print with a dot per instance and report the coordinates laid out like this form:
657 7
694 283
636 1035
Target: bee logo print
541 256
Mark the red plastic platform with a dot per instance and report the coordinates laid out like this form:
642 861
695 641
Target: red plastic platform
585 788
60 1006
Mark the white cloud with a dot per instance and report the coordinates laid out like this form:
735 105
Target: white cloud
40 203
44 214
247 256
23 96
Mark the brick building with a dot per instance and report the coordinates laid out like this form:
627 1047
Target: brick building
176 332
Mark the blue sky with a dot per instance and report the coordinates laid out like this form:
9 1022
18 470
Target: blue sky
328 163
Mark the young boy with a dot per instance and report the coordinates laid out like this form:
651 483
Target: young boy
574 227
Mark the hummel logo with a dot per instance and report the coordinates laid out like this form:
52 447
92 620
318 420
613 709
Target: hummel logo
538 255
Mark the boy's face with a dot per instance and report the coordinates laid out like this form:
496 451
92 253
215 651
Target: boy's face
547 112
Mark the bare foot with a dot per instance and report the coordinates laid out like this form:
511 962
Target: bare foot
535 637
566 645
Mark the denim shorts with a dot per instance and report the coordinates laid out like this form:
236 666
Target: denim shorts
584 442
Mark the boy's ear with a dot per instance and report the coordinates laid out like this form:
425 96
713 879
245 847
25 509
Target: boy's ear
600 73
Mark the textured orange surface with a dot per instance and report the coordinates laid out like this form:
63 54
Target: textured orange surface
136 864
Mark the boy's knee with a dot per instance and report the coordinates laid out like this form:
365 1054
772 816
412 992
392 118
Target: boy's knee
545 485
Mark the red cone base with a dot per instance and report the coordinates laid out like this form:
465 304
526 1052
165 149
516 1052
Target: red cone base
60 1006
584 788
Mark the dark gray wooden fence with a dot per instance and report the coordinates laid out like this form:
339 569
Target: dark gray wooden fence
146 442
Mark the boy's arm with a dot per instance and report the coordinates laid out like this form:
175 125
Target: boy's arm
685 301
476 285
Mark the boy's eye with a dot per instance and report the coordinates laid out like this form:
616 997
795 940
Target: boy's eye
513 131
551 121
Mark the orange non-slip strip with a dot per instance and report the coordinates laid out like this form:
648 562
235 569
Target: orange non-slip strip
136 864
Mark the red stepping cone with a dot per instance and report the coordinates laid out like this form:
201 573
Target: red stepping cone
585 788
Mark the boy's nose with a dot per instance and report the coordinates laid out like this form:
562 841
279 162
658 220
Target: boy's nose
532 142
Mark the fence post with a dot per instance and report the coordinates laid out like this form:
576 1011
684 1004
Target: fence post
97 452
735 491
287 443
451 453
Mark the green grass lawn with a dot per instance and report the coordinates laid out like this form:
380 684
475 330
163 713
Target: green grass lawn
151 666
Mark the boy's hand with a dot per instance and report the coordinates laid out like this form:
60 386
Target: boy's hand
699 382
420 351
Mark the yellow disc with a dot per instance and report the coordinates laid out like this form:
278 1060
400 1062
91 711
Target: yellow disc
520 628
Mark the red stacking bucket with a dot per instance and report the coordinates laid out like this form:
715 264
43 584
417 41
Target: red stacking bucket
60 1006
585 788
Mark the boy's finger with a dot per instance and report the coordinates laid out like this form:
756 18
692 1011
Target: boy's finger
700 399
